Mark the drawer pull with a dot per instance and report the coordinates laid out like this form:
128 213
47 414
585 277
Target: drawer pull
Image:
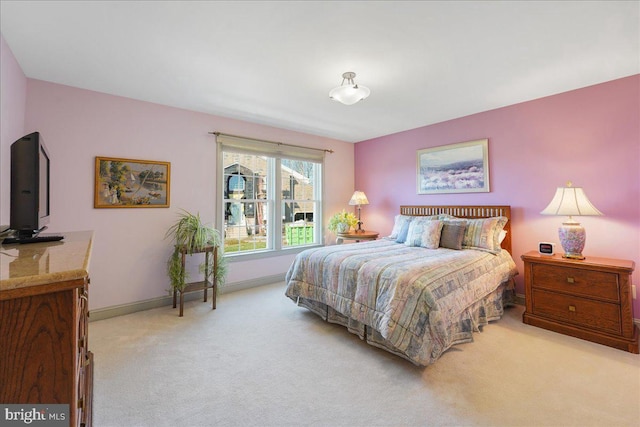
570 280
572 308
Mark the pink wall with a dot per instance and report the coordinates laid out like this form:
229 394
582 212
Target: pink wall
12 112
128 262
590 136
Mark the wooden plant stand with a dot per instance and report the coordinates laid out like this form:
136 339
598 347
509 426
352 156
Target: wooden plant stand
204 284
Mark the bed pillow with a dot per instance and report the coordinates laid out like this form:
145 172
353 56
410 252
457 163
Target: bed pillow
404 230
401 226
484 234
424 232
449 217
452 234
399 222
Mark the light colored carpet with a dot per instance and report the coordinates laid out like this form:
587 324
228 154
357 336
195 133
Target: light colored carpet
259 360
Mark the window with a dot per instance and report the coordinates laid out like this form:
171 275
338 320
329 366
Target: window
270 200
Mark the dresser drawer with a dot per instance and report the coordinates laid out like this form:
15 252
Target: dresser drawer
594 315
587 283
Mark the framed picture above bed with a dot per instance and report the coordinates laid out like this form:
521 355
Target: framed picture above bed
454 168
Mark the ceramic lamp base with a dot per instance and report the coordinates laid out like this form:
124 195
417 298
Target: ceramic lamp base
572 237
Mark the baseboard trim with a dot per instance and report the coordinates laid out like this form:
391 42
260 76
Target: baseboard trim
124 309
520 299
248 284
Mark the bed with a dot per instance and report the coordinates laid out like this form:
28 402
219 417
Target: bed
442 273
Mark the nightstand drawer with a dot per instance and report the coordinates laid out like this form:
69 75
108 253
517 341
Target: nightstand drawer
594 284
583 312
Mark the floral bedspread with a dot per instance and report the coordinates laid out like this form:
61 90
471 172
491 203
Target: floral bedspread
416 299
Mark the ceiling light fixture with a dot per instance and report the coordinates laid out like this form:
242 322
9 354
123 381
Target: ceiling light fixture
349 93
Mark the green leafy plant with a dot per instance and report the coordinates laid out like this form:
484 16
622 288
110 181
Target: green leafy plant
191 233
343 217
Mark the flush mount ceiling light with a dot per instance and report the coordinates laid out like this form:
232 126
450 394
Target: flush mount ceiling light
349 93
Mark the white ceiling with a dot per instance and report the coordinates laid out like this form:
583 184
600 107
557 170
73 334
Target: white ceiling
274 62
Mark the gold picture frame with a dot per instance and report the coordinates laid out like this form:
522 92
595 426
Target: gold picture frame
128 183
454 168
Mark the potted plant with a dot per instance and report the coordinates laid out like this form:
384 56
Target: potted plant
189 232
342 222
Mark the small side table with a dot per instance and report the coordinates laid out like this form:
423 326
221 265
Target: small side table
357 236
205 284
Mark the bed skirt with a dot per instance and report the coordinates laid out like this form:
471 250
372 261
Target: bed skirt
488 309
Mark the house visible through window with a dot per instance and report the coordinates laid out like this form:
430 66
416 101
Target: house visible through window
270 202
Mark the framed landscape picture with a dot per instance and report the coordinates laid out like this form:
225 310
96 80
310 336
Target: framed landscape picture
455 168
127 183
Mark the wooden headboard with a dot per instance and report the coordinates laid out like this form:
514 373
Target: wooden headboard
465 212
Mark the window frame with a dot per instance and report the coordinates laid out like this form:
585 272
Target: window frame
275 224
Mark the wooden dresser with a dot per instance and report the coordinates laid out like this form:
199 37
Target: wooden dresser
589 299
44 355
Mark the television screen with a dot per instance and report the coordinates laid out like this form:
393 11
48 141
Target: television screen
30 173
43 187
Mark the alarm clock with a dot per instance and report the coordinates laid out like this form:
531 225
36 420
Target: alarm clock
546 248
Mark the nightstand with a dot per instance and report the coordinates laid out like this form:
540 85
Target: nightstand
589 299
357 236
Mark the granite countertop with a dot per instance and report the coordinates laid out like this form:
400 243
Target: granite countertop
33 264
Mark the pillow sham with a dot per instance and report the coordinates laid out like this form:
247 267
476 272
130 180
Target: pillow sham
484 234
424 232
401 226
399 221
404 230
452 234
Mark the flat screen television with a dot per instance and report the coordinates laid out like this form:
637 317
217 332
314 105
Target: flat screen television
30 209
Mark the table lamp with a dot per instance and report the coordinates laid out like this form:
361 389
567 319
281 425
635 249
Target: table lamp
359 199
571 201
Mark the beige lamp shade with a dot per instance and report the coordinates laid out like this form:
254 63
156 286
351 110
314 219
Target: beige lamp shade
358 198
571 201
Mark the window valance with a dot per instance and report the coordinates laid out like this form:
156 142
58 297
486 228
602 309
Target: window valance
271 148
